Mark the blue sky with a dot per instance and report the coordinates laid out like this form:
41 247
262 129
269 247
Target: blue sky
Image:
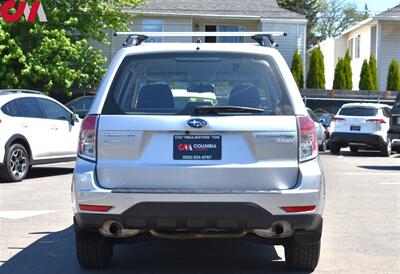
377 6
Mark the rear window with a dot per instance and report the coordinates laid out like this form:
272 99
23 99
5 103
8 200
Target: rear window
176 83
358 112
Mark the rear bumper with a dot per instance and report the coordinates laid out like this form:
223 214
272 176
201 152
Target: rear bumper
344 139
172 216
144 209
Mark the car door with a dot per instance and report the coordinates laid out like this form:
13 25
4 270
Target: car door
27 120
65 133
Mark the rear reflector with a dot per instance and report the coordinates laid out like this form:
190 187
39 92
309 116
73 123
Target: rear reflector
293 209
379 121
95 208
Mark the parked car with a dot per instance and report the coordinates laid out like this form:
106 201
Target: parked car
361 126
81 105
322 135
394 131
34 129
246 167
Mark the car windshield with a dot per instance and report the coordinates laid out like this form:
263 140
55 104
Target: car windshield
358 111
177 84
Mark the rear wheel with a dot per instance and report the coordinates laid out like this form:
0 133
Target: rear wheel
302 257
16 165
335 149
323 147
354 149
93 250
386 150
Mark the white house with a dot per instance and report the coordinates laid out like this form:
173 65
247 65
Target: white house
379 36
218 15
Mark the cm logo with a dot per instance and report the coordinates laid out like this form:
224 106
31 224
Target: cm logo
29 12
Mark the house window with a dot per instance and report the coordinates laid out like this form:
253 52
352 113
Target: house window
153 25
351 48
231 29
358 45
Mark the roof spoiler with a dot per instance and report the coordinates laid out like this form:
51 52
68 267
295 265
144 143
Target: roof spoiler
265 39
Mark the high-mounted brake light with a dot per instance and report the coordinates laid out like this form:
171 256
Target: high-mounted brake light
87 138
334 119
95 208
296 209
308 139
379 121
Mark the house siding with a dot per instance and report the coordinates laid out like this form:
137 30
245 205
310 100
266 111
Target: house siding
294 40
389 48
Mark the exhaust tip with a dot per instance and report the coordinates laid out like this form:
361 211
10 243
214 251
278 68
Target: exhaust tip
115 229
279 229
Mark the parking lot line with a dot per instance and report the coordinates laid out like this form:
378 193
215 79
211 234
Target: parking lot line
21 214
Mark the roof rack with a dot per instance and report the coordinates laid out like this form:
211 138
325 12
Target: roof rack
265 39
20 91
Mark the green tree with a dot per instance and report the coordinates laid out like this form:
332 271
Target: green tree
340 80
365 77
56 56
297 69
337 15
316 73
393 80
373 67
348 71
309 8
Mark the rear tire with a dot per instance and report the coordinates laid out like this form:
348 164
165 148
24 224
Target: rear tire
386 150
323 147
302 257
93 250
16 164
354 149
335 149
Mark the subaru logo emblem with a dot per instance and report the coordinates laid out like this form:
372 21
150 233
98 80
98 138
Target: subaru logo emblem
197 123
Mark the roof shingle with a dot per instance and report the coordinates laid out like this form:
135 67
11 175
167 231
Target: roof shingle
268 9
393 12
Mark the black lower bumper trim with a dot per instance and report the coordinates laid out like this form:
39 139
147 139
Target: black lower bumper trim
344 139
146 216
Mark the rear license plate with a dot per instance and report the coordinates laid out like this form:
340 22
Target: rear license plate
197 147
355 128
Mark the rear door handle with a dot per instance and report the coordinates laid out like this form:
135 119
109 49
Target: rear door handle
54 128
24 125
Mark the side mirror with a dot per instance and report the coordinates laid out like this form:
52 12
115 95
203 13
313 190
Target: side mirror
74 118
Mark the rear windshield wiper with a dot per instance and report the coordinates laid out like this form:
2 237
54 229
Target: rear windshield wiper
201 110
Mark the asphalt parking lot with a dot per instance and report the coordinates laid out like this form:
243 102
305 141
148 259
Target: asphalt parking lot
361 233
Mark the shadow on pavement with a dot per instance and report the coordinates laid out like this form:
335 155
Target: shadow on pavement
382 168
361 154
42 172
55 253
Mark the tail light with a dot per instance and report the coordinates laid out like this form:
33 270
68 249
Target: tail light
335 119
87 138
308 148
379 121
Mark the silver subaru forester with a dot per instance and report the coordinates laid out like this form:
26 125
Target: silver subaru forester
188 141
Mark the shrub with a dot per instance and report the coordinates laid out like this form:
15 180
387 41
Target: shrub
393 81
373 67
316 73
297 69
340 78
365 77
347 71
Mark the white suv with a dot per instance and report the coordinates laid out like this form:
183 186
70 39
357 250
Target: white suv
242 165
361 125
35 129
